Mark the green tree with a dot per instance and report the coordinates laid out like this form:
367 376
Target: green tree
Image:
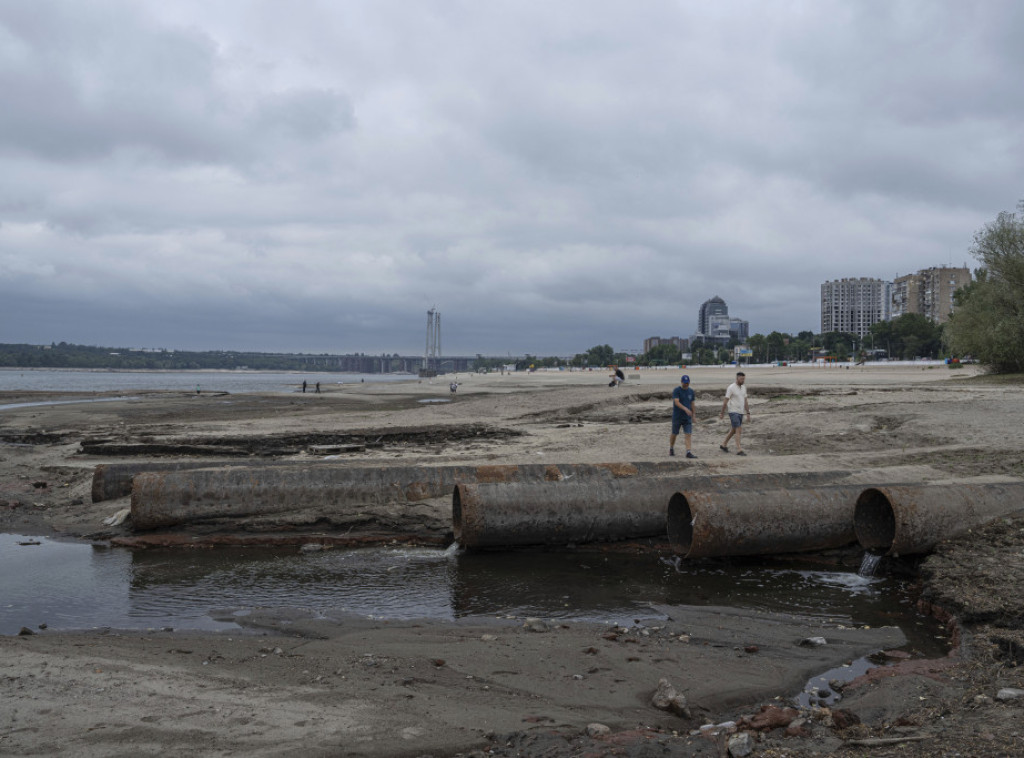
776 346
839 344
798 349
600 355
702 353
915 335
663 355
882 337
758 344
988 322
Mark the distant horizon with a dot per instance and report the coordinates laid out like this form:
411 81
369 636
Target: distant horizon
411 354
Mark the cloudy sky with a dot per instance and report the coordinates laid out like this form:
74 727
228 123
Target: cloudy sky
315 175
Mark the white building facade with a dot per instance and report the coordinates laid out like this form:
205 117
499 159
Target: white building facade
853 305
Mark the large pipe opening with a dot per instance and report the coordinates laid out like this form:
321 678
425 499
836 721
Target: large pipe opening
457 512
679 522
874 521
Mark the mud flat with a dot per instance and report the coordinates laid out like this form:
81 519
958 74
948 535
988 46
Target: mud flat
289 683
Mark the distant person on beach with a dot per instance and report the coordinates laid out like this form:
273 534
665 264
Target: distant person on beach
453 387
682 415
197 389
303 386
318 388
736 404
617 378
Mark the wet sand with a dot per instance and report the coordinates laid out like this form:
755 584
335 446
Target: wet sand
295 685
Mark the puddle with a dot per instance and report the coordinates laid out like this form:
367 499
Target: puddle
71 585
819 691
435 400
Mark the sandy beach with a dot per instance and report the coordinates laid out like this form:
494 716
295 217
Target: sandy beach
294 684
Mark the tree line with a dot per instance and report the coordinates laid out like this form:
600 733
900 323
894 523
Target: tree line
67 355
904 338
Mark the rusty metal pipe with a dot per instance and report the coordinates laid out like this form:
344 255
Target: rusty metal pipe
909 519
720 522
505 515
596 510
173 497
114 480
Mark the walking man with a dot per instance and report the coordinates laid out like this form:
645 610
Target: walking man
736 403
682 415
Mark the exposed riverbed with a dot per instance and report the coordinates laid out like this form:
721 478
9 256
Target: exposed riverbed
400 650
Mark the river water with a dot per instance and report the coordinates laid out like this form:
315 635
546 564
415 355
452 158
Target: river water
70 380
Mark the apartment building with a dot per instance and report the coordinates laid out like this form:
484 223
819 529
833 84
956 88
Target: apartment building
928 292
854 304
652 342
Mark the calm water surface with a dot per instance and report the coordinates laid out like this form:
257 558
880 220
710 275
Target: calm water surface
80 586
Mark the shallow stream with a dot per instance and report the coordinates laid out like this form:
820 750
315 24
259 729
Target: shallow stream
74 585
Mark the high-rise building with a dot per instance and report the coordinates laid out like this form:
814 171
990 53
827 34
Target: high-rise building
710 308
739 329
853 305
714 325
718 329
928 292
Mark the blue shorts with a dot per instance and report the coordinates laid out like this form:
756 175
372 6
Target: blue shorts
686 422
736 419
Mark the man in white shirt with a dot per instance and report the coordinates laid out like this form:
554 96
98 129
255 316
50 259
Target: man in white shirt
736 403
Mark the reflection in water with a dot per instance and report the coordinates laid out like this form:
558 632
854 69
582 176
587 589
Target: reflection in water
71 585
396 583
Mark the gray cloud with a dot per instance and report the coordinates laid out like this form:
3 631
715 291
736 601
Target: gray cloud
255 176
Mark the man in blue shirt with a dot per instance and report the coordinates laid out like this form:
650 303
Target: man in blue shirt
682 415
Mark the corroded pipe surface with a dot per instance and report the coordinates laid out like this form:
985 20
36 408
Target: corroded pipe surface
570 511
488 515
760 521
168 498
908 519
114 480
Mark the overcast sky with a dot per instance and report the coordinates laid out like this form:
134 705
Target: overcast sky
313 176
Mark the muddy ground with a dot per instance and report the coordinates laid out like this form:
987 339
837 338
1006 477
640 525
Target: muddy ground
291 685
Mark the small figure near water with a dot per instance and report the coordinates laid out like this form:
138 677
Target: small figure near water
303 386
453 387
736 403
318 388
683 398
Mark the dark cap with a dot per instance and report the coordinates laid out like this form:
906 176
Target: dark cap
685 379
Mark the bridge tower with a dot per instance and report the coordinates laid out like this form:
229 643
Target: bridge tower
432 354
